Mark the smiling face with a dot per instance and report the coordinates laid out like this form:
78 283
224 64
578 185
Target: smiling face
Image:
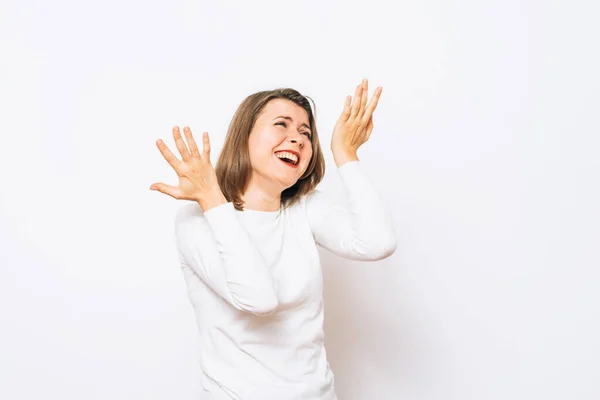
282 126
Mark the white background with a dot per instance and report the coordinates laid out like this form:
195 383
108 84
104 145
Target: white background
485 147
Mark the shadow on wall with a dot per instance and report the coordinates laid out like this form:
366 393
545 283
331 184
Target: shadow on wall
369 339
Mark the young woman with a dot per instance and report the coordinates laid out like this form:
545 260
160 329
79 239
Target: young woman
247 242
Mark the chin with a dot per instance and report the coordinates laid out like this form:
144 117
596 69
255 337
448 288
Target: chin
286 183
289 184
288 180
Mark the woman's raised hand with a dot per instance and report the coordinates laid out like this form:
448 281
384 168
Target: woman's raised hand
197 177
354 126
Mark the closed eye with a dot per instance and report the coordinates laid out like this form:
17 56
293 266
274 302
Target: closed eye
285 125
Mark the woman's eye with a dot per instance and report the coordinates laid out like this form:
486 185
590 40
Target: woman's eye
285 125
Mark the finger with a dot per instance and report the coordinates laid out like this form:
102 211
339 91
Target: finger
172 191
346 111
183 150
191 142
356 101
364 96
205 146
373 103
171 159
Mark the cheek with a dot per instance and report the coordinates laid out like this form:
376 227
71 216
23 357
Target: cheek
262 145
309 151
271 140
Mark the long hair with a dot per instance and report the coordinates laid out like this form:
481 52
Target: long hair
233 167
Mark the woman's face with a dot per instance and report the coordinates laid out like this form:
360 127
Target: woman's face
282 128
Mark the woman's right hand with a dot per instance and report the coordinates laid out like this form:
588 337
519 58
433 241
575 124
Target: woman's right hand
197 177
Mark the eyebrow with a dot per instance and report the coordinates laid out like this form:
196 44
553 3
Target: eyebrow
290 118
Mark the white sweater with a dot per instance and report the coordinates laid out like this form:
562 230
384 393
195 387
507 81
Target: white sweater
255 282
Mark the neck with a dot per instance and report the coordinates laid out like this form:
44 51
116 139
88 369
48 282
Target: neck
259 199
261 204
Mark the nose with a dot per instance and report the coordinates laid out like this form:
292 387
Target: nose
299 142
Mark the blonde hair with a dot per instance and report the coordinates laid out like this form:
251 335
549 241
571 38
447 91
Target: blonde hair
233 167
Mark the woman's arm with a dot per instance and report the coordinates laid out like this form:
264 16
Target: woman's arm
219 250
364 231
214 243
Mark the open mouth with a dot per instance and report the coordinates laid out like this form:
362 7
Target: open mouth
289 159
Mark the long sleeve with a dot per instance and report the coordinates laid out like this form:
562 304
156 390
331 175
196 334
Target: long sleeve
362 232
217 247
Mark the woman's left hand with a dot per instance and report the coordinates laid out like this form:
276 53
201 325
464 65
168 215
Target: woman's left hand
354 126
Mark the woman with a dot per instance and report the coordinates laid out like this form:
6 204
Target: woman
247 243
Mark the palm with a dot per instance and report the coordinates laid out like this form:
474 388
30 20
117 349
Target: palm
185 187
197 178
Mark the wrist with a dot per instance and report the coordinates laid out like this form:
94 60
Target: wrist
214 200
342 157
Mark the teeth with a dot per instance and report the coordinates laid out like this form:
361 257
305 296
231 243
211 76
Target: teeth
290 156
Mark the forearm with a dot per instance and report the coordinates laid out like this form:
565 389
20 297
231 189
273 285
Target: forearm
370 218
249 280
363 231
219 250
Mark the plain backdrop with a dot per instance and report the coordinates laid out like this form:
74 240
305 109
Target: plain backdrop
485 148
